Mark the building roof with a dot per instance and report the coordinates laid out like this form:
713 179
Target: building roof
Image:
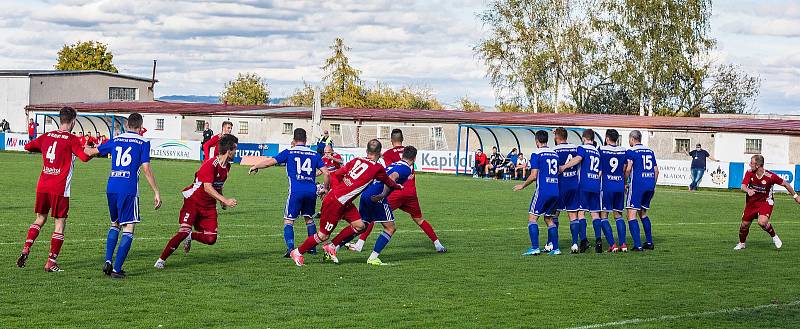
739 125
28 73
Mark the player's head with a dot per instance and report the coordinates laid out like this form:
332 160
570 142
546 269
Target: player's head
635 137
299 136
325 132
374 149
560 135
513 150
135 122
588 136
29 120
756 162
541 138
67 117
479 151
698 146
397 136
328 149
494 149
80 134
612 136
227 145
227 126
205 125
410 154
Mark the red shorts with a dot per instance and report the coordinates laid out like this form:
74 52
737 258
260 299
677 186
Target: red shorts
333 211
405 201
203 219
752 211
57 205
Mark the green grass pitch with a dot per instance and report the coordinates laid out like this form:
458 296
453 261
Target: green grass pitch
692 280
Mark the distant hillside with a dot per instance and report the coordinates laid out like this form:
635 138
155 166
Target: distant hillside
204 99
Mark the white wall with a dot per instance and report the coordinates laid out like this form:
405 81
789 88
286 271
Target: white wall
14 96
172 126
730 147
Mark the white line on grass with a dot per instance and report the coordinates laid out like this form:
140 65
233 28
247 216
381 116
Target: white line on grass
733 223
684 316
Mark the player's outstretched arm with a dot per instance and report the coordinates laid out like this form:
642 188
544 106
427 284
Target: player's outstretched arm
79 151
381 176
266 163
326 176
386 189
209 188
572 163
531 178
791 190
151 179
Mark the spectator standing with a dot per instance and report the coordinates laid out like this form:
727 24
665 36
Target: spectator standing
326 140
480 164
207 134
699 156
4 126
32 129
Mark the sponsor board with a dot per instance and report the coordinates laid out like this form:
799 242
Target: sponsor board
427 161
250 149
15 142
174 149
679 173
787 172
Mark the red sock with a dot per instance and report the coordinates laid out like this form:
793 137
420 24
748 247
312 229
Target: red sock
55 246
366 232
768 228
310 243
202 237
744 229
33 233
174 242
428 230
345 234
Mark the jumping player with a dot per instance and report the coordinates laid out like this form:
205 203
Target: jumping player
569 197
200 201
544 171
643 172
758 183
612 164
211 147
353 178
59 149
128 151
302 167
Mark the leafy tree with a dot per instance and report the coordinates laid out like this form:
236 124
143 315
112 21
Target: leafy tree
343 84
384 97
246 89
302 96
465 104
732 91
86 55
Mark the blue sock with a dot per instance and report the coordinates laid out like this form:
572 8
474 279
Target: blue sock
382 241
552 235
606 227
122 253
648 233
111 242
533 233
574 227
288 235
555 221
582 231
312 229
621 234
633 225
598 228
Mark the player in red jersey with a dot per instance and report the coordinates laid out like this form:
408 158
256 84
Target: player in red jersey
200 201
406 200
758 183
211 147
353 178
59 149
332 160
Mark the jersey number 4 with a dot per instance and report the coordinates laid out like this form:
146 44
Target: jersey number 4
51 152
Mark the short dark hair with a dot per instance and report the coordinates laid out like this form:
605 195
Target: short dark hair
135 120
409 153
227 123
374 146
67 114
613 135
588 134
560 132
227 143
300 135
397 135
541 136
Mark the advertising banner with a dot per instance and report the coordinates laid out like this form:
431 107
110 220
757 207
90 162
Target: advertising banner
174 149
250 149
15 142
679 173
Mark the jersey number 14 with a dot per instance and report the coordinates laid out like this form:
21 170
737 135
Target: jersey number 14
305 167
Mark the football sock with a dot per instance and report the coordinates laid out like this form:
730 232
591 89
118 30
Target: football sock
582 229
33 233
122 253
533 233
347 232
175 241
555 221
552 235
55 246
768 228
606 227
310 243
111 242
367 231
633 225
311 228
205 238
428 229
438 245
381 243
574 227
621 234
360 244
288 235
597 225
648 233
744 229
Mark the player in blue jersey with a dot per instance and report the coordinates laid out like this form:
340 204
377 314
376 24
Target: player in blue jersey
643 172
129 151
612 165
303 165
589 187
569 197
544 170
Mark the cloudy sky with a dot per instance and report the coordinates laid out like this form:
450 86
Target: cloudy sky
200 45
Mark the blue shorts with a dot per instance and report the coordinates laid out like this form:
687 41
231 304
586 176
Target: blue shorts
639 199
590 201
300 203
569 200
612 201
123 208
543 204
375 212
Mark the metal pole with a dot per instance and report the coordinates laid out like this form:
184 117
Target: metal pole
458 148
466 149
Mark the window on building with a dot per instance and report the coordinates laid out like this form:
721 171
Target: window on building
384 131
288 128
681 145
752 146
201 125
336 129
436 133
121 94
159 124
242 127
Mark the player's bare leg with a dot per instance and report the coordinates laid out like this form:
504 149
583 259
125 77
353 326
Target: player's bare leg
648 235
56 242
33 233
388 231
184 232
428 229
763 221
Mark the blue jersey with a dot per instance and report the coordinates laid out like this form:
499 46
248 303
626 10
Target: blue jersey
301 168
402 168
612 164
546 161
128 152
590 168
643 174
567 180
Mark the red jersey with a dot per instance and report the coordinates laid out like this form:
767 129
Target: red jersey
762 186
91 141
330 164
82 140
393 155
355 176
32 128
60 149
211 147
211 171
144 130
481 159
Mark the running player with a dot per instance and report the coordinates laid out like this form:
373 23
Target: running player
59 149
642 169
544 170
758 183
569 198
128 151
302 167
211 147
612 164
353 178
200 201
